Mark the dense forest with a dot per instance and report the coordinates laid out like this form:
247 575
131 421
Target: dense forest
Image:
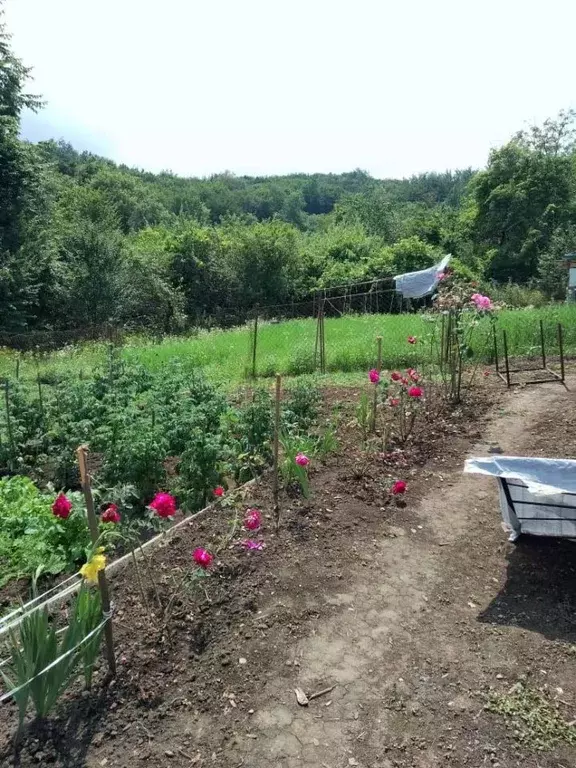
84 241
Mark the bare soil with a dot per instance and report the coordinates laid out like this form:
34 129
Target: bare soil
412 612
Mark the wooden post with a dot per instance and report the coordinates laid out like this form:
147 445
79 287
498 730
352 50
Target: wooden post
322 341
561 350
276 446
506 363
254 343
317 344
378 368
495 348
542 344
9 424
82 452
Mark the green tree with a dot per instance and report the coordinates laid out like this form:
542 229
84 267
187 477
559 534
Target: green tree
525 194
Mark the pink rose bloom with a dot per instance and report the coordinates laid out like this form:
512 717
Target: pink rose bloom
163 504
218 491
414 375
394 401
482 303
62 506
374 376
415 392
202 557
395 376
411 339
302 460
253 520
110 514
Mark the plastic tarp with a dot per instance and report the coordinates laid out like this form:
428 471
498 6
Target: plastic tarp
415 285
537 496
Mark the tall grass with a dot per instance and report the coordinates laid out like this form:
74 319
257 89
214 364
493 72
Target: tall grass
288 347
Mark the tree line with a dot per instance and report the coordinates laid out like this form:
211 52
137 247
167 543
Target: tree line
85 241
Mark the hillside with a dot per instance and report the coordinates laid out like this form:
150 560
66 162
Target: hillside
85 242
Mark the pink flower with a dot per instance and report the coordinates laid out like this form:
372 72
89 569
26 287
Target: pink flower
486 373
404 381
415 392
62 506
252 544
398 487
414 375
441 276
253 520
302 460
163 504
482 303
110 514
395 376
218 491
202 557
393 401
411 339
374 376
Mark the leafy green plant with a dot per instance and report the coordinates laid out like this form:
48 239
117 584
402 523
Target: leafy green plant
301 407
290 470
32 536
43 660
198 470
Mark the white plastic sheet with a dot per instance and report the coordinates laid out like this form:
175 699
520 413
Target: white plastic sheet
415 285
537 496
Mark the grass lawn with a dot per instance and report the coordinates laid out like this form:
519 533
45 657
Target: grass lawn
288 347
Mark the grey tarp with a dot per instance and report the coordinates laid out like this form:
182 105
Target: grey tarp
537 496
415 285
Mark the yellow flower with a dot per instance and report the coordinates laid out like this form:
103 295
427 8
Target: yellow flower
96 563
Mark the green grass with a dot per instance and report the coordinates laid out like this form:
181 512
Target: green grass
288 347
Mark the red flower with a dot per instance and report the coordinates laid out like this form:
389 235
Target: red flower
415 392
110 514
398 487
202 557
253 520
218 491
393 401
414 375
62 506
404 381
163 504
412 339
395 376
486 373
374 376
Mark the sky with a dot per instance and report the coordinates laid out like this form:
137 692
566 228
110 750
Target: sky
260 87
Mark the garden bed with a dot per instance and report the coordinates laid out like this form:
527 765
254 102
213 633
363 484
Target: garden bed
212 656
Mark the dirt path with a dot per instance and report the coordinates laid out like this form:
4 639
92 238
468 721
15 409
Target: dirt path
439 611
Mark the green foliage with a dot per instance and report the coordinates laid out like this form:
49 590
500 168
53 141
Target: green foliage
36 644
31 537
536 720
301 407
523 197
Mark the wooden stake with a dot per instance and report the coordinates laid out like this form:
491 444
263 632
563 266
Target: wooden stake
379 369
276 445
82 453
254 343
9 424
322 338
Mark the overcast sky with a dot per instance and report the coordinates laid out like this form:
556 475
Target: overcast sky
395 87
